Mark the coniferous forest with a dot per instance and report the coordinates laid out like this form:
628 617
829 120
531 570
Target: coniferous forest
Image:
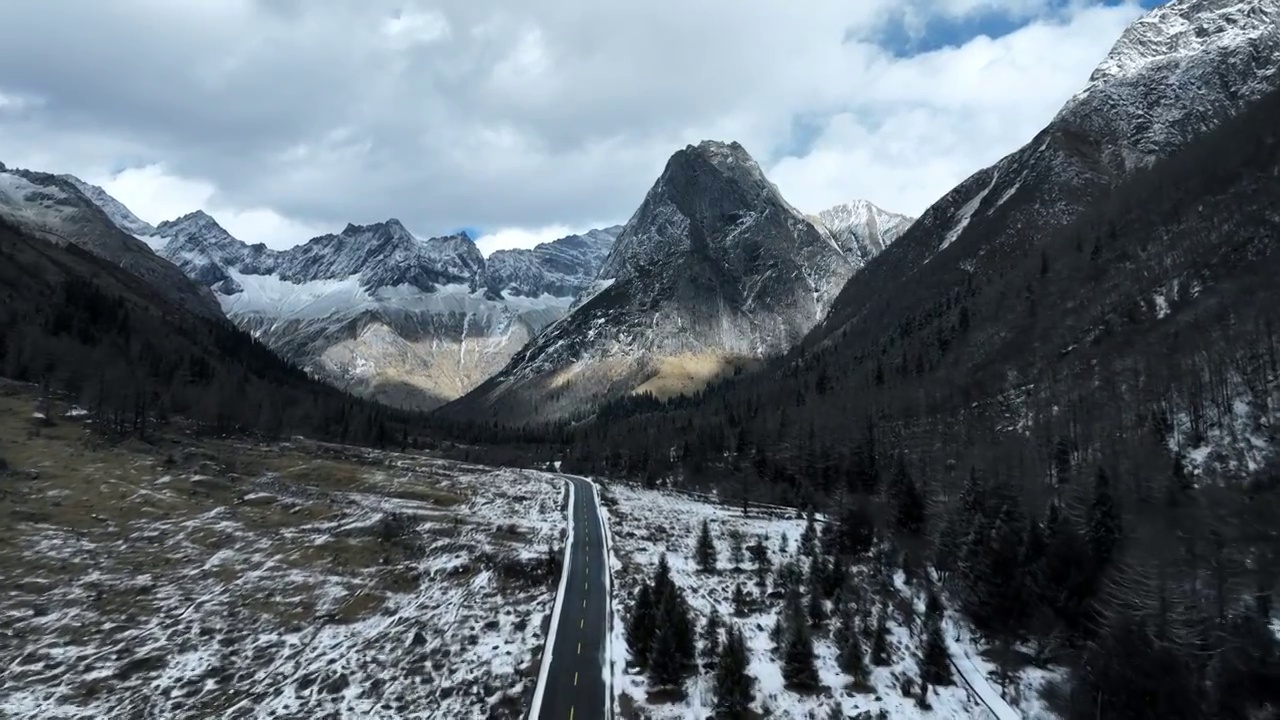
83 327
1061 437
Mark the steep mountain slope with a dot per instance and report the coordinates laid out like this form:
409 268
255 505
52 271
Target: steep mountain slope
1171 76
563 268
1105 295
80 324
714 270
1071 409
56 208
122 216
381 313
861 229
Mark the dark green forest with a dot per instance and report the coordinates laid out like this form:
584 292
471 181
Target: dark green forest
1017 418
1031 413
82 327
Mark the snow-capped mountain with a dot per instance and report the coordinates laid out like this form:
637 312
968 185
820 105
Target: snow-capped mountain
375 310
714 270
860 229
1172 75
563 268
63 209
122 216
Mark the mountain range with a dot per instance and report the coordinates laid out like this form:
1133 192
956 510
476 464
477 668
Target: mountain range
416 323
713 272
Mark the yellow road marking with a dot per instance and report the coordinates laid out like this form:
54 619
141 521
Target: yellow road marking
575 678
570 712
584 602
579 648
580 622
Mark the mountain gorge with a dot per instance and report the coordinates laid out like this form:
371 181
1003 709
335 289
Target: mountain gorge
1061 383
1084 260
713 272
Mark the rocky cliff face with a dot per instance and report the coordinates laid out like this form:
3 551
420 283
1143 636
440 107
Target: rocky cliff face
1174 74
715 270
860 229
377 311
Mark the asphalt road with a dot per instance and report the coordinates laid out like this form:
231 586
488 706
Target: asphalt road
574 687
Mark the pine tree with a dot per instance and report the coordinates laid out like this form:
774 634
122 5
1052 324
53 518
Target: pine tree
1104 522
734 687
711 641
739 600
935 663
809 538
760 555
706 551
798 665
880 640
849 645
640 626
674 648
736 548
817 609
910 506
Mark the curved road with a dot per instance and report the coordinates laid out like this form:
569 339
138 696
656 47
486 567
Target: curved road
573 683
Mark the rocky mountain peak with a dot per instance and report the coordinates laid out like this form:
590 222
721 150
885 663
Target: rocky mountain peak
119 214
1184 28
714 269
1174 73
860 229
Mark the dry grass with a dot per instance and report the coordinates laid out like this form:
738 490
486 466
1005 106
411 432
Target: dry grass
180 577
690 372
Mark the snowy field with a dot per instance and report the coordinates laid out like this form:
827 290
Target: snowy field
286 581
645 524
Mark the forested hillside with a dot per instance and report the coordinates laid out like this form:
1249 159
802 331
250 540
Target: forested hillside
80 325
1088 422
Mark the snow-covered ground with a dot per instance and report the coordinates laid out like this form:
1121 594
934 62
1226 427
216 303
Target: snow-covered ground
270 581
645 524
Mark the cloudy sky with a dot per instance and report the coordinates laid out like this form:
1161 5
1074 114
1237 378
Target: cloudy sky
520 120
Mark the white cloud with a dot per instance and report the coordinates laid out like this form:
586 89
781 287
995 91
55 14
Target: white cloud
922 124
504 114
512 238
413 27
155 196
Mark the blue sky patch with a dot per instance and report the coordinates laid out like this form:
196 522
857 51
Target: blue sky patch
472 232
905 40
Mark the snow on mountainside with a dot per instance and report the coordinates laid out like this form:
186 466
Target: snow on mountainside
1175 73
860 229
715 270
563 268
119 214
55 208
1172 75
408 321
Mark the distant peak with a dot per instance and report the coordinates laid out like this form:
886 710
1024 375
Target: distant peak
194 219
195 216
722 154
1183 28
390 225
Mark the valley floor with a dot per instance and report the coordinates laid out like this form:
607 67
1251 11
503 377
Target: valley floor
296 580
645 524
